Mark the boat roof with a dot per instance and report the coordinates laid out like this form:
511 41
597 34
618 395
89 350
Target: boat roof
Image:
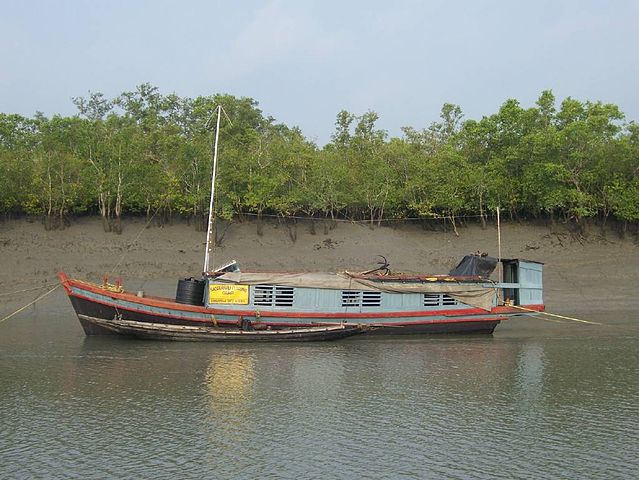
376 277
521 260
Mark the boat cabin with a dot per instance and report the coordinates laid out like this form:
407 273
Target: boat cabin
328 300
468 286
522 281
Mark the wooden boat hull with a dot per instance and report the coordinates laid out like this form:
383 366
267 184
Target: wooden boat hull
164 331
88 309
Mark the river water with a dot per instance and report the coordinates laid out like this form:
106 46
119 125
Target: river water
535 400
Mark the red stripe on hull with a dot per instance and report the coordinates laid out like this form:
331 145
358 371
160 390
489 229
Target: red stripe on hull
446 320
146 312
408 324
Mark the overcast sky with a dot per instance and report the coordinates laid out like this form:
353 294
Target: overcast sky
304 61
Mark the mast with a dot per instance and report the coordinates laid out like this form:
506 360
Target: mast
209 230
500 270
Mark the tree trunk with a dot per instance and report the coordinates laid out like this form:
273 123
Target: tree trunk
104 209
292 229
219 235
380 216
372 216
259 226
452 222
63 200
117 227
48 225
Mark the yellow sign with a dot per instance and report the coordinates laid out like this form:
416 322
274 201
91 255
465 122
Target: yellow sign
235 294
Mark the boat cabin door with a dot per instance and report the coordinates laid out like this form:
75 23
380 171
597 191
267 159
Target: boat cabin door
511 275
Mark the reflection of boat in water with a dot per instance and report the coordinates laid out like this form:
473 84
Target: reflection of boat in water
228 304
230 380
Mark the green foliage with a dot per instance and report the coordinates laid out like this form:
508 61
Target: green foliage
144 151
623 197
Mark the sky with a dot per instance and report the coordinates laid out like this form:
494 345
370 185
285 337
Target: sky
304 61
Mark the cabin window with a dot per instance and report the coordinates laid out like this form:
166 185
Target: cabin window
355 298
446 300
439 300
273 296
431 299
351 298
371 299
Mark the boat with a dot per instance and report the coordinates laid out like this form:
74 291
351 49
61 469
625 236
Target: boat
229 304
277 302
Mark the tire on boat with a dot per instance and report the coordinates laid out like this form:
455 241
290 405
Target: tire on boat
190 291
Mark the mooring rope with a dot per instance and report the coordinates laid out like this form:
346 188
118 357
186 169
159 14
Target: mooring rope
30 303
28 290
56 286
501 298
557 316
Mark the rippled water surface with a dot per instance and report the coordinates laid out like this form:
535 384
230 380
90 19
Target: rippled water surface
536 400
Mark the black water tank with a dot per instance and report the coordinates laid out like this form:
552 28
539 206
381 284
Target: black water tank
190 291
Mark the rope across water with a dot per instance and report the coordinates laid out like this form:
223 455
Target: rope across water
564 317
56 286
30 303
